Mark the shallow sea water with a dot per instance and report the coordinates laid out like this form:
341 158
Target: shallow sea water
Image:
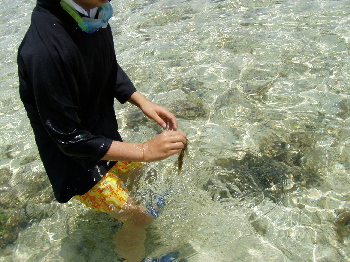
260 88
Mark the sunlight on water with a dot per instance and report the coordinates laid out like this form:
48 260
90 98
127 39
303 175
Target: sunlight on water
261 90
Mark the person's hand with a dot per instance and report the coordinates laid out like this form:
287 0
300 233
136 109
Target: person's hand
156 112
159 114
164 145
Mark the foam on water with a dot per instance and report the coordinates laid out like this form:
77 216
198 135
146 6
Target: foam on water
260 88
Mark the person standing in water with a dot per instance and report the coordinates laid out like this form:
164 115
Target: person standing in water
69 78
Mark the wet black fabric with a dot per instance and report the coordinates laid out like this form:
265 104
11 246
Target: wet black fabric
68 84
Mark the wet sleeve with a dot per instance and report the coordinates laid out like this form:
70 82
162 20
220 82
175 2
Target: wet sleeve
124 88
57 100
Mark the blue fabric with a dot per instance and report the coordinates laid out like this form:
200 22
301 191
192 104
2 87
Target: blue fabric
87 24
155 206
165 258
104 14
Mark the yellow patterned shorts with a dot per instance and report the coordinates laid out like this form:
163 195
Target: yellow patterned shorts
109 194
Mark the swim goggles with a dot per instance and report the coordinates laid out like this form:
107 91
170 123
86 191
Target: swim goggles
90 25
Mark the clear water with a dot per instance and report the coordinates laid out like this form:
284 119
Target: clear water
260 88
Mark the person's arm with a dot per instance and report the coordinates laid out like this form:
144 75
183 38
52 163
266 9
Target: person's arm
162 146
50 78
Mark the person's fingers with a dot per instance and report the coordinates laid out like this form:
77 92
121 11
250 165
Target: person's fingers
159 121
177 135
164 145
169 119
180 141
172 123
179 145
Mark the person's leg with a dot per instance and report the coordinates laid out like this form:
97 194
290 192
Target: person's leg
113 194
131 236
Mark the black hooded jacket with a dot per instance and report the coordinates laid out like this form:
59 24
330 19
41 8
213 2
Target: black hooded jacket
68 82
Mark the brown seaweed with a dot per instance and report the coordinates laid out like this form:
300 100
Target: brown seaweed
181 157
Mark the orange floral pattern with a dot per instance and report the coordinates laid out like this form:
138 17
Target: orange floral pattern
109 194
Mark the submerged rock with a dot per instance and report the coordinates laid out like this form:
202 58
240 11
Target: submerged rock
135 118
186 85
278 169
8 193
344 109
189 109
252 177
5 176
259 223
20 193
11 222
342 225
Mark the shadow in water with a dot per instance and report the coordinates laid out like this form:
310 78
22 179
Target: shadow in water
92 240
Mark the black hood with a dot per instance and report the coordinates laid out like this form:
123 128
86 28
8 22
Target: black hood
49 4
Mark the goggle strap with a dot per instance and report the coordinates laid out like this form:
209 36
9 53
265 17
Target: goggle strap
74 13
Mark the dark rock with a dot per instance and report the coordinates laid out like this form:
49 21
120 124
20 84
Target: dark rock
5 176
189 109
342 225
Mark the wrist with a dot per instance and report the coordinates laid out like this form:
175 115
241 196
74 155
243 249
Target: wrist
144 152
137 99
122 151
